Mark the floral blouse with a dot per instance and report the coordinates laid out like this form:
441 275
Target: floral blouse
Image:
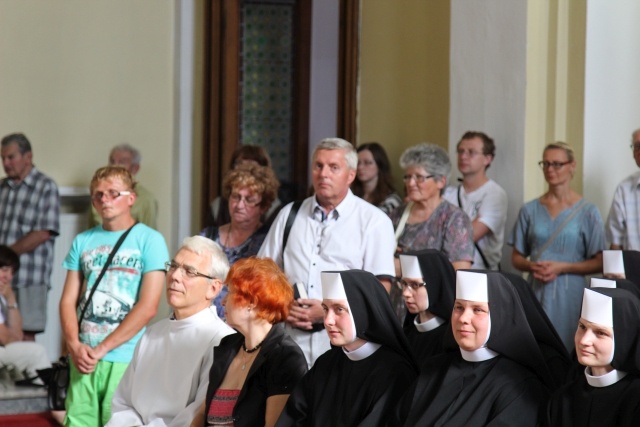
448 229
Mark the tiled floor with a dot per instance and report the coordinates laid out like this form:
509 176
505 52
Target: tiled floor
21 400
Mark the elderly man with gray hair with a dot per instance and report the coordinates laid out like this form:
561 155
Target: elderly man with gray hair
331 230
167 378
145 209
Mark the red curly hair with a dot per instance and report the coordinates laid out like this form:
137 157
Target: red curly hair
261 283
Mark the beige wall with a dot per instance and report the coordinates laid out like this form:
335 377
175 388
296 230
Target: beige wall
78 77
404 81
555 85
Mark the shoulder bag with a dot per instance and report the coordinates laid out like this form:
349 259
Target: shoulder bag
56 378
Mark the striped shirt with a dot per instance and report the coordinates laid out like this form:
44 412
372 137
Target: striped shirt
623 224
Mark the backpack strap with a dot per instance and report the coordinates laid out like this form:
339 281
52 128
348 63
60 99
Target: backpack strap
287 228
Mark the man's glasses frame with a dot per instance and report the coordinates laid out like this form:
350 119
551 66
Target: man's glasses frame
190 272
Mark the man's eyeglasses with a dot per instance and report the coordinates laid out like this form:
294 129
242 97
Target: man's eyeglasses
403 284
249 201
190 272
635 147
556 165
418 178
109 195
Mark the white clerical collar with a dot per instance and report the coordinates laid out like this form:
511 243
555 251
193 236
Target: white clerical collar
362 352
479 355
429 325
604 380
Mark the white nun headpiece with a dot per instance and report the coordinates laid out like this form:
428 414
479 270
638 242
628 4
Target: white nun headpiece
612 262
598 308
471 286
410 267
333 288
602 283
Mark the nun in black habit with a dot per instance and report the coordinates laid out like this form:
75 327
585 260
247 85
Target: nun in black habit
625 284
607 341
428 289
559 363
370 365
497 377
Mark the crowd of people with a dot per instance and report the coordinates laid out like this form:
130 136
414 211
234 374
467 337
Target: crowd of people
354 306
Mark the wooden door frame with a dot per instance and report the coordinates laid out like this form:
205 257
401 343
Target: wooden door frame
348 70
222 95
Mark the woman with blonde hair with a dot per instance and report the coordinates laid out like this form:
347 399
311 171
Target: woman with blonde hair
558 238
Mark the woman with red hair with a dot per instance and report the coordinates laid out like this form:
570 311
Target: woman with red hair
256 369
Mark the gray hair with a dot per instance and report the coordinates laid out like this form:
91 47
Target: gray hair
350 153
218 262
24 146
430 157
136 157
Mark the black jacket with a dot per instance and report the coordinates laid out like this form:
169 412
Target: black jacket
278 367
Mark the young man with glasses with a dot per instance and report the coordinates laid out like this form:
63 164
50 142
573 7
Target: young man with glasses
145 208
622 229
481 198
168 389
125 300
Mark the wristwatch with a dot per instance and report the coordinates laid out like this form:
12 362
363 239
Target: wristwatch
14 305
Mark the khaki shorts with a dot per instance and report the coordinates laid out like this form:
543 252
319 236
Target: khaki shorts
32 302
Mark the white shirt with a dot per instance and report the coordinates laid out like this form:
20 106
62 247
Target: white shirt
167 379
355 235
489 205
623 224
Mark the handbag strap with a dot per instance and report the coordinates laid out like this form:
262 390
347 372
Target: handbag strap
534 255
403 220
484 258
104 270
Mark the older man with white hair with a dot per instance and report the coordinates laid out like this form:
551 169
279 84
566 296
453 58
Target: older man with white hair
167 379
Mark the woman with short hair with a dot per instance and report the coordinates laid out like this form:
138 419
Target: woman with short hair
244 155
255 370
250 190
430 221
